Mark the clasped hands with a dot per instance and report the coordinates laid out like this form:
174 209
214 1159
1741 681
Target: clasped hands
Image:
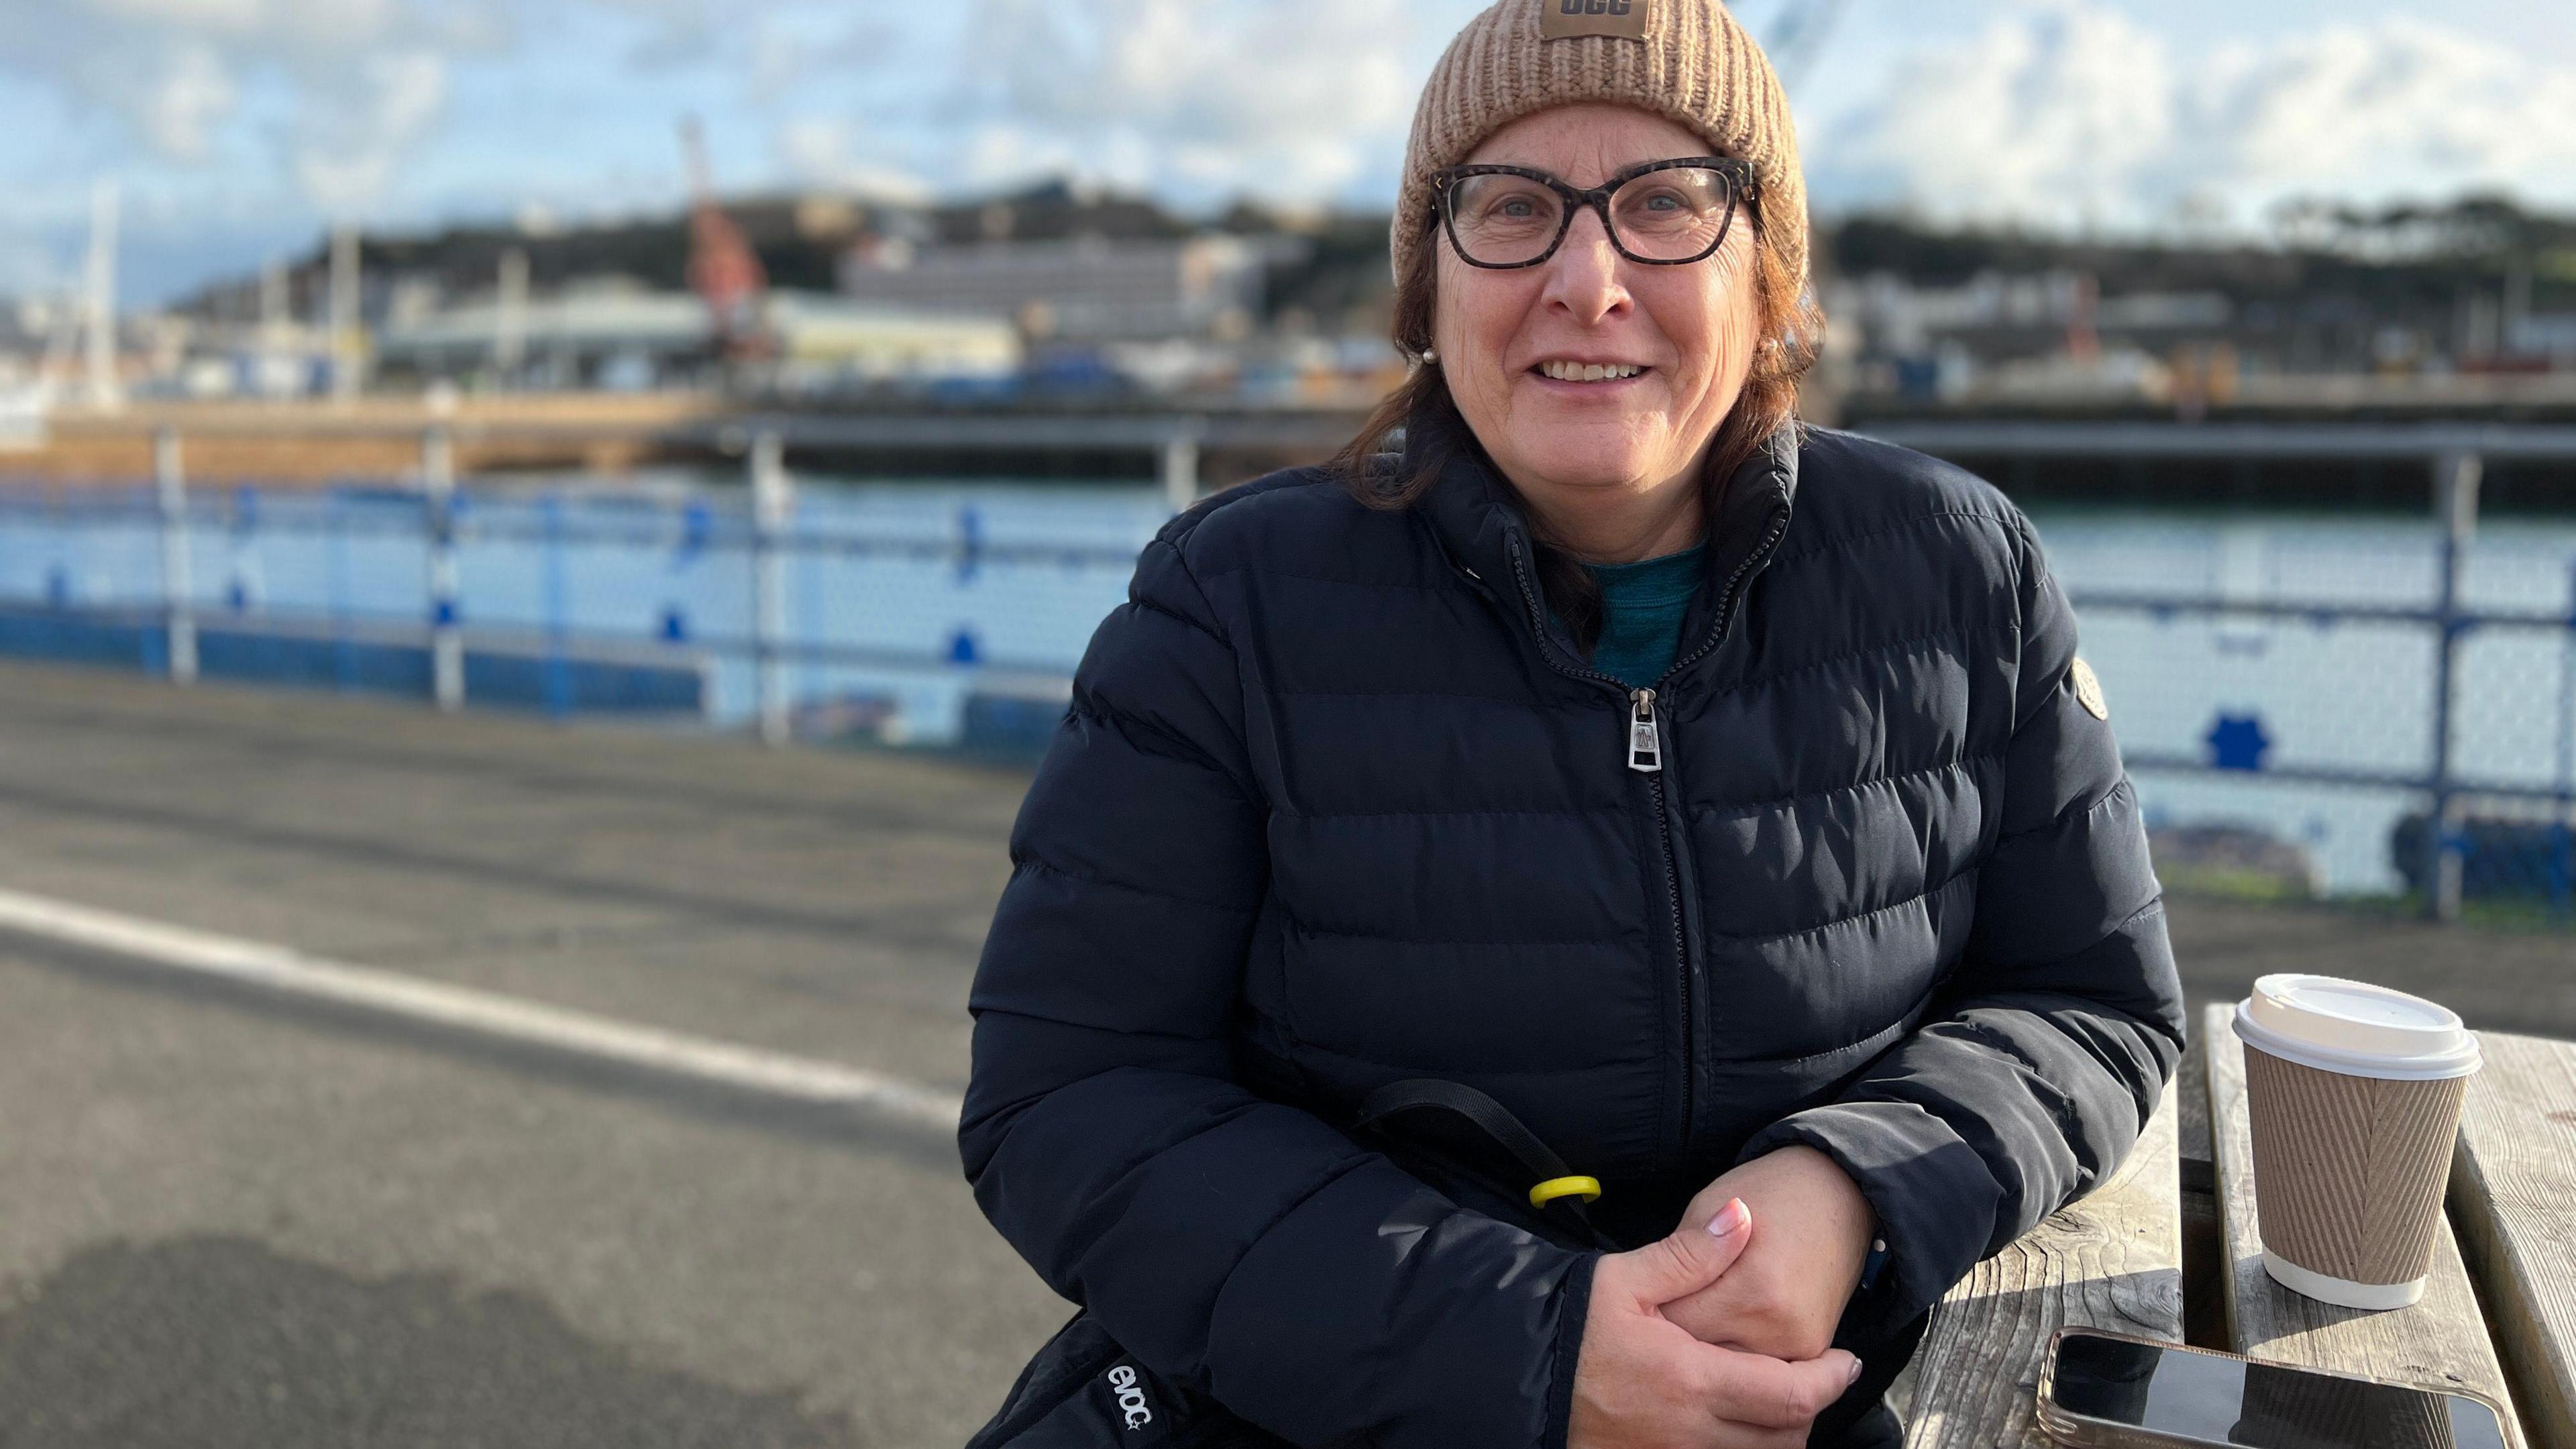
1718 1336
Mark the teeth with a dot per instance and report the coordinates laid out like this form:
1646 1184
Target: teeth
1587 371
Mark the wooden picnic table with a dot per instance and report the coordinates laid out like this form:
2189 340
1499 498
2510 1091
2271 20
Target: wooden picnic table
2110 1260
2513 1199
2498 1316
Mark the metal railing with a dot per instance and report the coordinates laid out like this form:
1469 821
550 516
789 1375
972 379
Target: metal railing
764 530
775 554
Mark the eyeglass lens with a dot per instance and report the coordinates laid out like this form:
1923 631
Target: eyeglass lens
1676 214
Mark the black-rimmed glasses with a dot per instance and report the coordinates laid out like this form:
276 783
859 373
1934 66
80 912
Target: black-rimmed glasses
1664 213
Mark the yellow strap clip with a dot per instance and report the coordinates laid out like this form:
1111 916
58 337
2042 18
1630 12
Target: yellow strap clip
1586 1188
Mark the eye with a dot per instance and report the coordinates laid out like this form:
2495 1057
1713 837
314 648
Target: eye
1509 203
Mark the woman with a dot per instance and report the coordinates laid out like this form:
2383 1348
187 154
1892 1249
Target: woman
1721 797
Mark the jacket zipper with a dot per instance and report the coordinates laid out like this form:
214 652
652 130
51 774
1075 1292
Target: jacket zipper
1645 754
1646 757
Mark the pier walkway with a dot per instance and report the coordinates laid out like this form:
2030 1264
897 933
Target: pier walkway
236 1216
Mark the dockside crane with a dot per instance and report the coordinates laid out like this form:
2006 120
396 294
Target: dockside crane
723 269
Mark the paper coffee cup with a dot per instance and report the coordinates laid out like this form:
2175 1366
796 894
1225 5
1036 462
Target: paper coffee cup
2354 1094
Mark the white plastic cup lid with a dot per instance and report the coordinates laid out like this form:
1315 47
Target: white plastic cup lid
2356 1028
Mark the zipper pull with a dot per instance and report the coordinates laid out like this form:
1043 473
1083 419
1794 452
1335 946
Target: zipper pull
1645 740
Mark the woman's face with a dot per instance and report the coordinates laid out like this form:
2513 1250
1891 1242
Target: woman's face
1690 329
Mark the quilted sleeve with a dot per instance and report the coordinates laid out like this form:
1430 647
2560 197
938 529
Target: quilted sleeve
2030 1079
1236 1245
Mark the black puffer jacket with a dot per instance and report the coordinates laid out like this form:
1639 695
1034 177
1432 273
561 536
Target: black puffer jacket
1336 805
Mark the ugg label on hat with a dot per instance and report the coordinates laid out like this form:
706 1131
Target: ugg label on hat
1566 19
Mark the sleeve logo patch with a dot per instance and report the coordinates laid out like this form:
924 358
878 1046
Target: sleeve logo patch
1567 19
2088 691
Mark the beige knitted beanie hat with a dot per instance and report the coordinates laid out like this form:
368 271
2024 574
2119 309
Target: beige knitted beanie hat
1684 59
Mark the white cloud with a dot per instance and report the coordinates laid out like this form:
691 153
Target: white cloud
184 101
822 151
238 16
182 108
2403 108
2051 112
2069 113
349 140
1291 100
256 119
358 83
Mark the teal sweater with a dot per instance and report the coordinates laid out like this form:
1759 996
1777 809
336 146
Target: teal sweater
1642 605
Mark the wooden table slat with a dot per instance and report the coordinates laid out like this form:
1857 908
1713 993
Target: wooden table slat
2112 1260
2192 1076
2513 1195
2439 1342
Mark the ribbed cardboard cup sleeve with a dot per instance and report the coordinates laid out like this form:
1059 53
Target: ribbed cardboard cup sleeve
2349 1171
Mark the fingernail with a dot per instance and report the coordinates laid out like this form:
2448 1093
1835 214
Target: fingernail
1730 1219
1855 1373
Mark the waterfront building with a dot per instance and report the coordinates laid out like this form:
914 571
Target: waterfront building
1077 290
625 338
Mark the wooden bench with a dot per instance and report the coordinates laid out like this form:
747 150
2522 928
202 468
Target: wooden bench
2513 1198
2498 1316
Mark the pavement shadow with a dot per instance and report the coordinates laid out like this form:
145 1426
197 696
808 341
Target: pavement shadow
218 1342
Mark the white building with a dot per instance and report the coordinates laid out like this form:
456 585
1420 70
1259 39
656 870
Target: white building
827 341
1083 290
628 338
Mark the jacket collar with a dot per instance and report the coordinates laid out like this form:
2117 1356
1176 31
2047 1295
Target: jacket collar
1482 525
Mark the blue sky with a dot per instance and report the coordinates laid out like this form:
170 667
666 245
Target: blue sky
238 128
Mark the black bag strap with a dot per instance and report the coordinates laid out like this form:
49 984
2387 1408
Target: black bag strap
1497 1123
1490 1117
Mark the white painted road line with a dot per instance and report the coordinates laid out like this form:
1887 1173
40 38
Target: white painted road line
483 1013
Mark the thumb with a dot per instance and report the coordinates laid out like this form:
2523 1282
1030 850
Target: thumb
1690 1259
1775 1395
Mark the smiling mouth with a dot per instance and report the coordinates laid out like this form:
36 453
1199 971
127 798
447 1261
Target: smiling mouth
1588 371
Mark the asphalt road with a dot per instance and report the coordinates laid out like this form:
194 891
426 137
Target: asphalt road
227 1220
230 1220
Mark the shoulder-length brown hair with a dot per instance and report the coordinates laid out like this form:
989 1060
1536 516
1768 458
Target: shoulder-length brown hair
1791 332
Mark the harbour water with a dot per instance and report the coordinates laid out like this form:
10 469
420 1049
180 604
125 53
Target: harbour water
924 592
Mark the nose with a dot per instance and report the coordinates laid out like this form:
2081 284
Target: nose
1583 277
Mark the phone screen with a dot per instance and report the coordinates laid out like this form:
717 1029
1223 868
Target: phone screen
2199 1398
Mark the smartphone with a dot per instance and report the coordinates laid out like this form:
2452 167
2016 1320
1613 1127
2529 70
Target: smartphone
2111 1391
